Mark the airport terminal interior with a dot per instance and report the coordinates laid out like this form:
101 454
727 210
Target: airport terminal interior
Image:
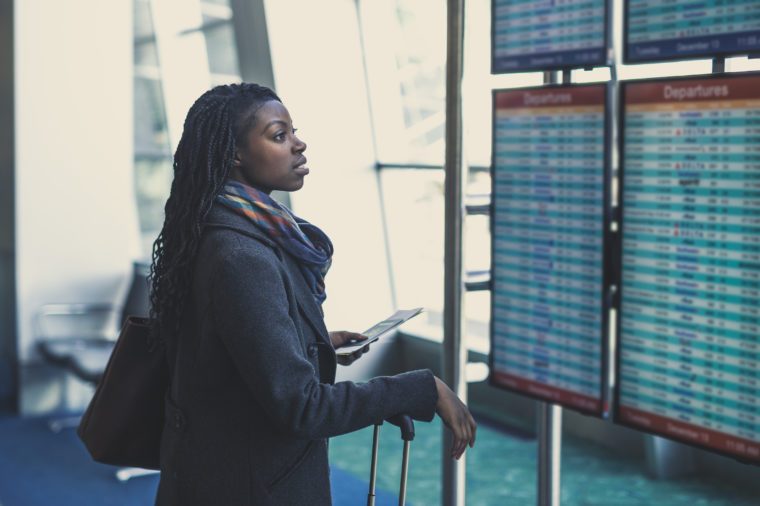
569 189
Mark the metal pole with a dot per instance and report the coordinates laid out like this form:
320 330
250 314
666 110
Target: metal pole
718 65
404 475
373 468
453 358
549 450
549 418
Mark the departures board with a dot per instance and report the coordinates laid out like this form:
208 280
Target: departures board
549 216
657 30
688 358
531 35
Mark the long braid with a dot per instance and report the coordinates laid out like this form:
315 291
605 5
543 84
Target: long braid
214 126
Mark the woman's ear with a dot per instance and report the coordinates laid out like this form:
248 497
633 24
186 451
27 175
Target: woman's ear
236 162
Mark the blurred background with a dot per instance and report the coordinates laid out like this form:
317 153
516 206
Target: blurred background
93 96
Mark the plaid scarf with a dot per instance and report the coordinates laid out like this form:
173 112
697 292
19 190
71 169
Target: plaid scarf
306 242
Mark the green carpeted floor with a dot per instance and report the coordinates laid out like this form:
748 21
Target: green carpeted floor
502 471
38 467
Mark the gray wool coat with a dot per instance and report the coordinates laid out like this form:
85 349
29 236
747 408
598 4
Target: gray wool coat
254 397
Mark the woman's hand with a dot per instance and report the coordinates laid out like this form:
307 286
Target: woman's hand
457 418
343 337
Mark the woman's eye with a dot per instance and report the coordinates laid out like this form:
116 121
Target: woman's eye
279 136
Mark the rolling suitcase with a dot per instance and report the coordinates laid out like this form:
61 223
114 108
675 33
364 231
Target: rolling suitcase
407 434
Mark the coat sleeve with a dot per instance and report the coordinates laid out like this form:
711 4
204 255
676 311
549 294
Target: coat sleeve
250 307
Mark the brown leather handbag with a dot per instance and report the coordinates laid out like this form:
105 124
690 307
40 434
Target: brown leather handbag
123 422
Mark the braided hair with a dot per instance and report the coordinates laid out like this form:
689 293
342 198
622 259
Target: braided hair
215 125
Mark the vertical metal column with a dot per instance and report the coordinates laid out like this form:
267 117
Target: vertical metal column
252 42
10 380
549 419
718 65
549 451
373 467
453 358
404 475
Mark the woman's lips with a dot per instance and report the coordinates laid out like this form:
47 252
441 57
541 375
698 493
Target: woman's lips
300 168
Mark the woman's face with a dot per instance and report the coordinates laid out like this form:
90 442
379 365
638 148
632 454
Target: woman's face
271 157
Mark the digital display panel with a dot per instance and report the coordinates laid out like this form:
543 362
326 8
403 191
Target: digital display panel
689 347
548 34
657 30
548 222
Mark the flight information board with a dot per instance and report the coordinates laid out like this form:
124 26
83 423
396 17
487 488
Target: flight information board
548 34
680 29
548 221
689 348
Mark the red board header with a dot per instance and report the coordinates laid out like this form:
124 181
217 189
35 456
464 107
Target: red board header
693 434
693 90
555 96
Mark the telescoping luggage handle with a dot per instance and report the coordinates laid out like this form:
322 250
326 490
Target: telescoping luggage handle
406 424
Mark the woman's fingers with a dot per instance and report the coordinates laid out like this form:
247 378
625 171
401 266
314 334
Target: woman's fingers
462 438
457 419
468 435
474 426
343 337
456 448
464 435
355 336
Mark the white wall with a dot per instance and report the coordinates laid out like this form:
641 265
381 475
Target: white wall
76 220
319 74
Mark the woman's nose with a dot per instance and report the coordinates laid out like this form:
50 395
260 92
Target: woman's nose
299 146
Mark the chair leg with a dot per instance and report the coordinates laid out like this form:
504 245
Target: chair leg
128 473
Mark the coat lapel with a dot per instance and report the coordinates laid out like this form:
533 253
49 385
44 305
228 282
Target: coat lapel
311 311
306 303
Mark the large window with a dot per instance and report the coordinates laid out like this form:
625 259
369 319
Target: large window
182 47
151 135
405 48
407 89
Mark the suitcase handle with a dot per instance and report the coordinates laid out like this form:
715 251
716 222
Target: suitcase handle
406 424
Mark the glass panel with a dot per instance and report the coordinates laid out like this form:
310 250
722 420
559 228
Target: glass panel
153 161
477 243
478 83
222 53
413 203
143 20
174 35
153 177
405 45
146 54
421 63
477 315
151 136
477 259
405 50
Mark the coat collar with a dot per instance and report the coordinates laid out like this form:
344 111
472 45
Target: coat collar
222 217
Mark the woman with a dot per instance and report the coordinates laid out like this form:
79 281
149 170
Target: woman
237 287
